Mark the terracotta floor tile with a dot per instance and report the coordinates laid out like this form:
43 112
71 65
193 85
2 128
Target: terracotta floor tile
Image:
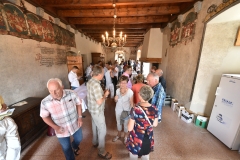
174 140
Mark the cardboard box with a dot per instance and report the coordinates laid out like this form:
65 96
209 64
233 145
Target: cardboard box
174 104
187 116
201 121
178 110
167 102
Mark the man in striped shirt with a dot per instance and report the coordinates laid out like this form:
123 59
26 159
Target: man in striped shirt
62 111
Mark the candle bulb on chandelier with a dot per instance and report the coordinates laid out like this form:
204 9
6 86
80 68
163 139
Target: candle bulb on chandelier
125 37
103 38
120 35
106 35
114 33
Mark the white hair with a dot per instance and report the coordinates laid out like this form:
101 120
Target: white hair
55 80
155 76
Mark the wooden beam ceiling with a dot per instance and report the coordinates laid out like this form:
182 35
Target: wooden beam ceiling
134 17
120 26
121 20
121 12
97 3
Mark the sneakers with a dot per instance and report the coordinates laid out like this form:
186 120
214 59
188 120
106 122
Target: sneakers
115 139
159 121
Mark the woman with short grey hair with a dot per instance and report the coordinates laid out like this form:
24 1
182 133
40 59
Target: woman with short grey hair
143 117
124 103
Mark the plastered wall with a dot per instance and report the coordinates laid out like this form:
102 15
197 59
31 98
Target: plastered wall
21 75
219 56
180 63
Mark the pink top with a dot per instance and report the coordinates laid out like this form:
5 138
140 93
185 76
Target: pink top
129 85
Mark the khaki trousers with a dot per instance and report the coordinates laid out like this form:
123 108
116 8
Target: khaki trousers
99 131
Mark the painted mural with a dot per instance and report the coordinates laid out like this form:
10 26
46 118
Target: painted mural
188 28
35 27
48 32
185 33
3 28
175 34
58 35
14 21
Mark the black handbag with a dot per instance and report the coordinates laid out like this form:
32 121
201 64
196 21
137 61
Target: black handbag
146 143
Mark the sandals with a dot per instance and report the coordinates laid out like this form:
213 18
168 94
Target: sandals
115 138
106 156
76 151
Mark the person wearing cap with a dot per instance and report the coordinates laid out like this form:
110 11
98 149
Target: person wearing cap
73 78
9 138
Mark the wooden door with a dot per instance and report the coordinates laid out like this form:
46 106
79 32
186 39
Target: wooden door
75 61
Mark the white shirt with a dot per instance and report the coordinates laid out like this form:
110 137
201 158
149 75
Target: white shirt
123 102
88 71
116 72
105 70
73 79
10 146
108 78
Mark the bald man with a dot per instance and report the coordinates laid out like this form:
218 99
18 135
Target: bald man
159 72
63 112
159 94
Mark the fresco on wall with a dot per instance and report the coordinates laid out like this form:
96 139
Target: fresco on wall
35 26
188 28
175 34
68 38
48 31
15 22
58 35
3 28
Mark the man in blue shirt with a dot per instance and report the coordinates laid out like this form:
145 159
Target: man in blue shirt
159 94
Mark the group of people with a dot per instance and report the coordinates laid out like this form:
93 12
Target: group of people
138 109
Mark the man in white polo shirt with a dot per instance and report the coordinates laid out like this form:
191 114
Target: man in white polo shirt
73 78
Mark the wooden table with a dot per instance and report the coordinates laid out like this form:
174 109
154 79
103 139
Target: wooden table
27 117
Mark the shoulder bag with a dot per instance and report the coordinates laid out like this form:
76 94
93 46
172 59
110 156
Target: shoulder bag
146 143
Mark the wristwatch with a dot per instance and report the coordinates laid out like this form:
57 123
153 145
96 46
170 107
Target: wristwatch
80 116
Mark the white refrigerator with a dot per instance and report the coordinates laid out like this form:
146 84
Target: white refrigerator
224 121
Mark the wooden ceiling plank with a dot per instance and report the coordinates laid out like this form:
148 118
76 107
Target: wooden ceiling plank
121 12
106 3
125 20
120 26
96 30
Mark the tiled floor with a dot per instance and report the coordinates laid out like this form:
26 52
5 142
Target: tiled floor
174 140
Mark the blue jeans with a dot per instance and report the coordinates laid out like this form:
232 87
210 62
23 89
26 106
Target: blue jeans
67 147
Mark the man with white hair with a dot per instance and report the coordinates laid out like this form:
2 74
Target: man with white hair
63 112
159 94
159 72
